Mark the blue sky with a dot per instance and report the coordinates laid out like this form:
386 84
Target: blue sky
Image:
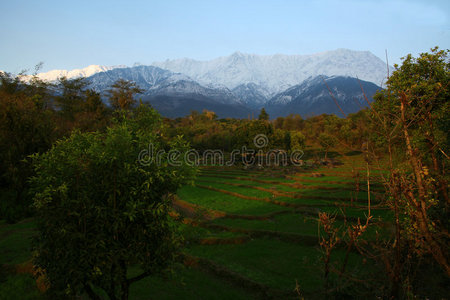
75 34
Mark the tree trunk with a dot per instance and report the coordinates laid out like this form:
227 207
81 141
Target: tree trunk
125 285
90 292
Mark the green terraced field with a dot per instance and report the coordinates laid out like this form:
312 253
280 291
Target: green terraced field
227 203
282 248
291 223
253 233
273 263
186 283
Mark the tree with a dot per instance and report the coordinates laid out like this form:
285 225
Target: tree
287 140
26 126
278 139
409 121
93 114
278 123
246 133
326 141
263 115
209 115
414 112
121 94
79 107
297 140
72 97
102 206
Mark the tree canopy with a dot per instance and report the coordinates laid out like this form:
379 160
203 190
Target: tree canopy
121 94
263 115
101 210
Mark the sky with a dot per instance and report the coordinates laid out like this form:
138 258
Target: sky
74 34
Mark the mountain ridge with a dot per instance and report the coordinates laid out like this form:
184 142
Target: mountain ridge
289 69
172 94
240 83
278 72
315 95
88 71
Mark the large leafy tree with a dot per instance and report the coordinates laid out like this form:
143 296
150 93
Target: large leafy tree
102 206
121 94
411 120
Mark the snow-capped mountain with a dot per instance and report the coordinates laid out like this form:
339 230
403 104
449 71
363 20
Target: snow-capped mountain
276 73
85 72
236 85
145 77
251 94
156 82
173 94
186 88
312 97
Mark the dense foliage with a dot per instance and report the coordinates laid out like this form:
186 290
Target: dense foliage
100 210
411 119
27 126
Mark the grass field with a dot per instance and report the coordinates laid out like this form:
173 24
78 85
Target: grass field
248 234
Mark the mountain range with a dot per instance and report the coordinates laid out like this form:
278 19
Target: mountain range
241 84
276 73
317 95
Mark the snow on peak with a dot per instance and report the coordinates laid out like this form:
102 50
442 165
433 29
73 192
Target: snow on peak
279 72
85 72
178 77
